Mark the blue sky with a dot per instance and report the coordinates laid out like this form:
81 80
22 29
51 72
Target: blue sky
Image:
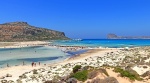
82 18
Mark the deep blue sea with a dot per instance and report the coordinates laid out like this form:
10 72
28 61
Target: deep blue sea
112 43
16 56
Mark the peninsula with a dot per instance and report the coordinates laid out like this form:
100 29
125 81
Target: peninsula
22 31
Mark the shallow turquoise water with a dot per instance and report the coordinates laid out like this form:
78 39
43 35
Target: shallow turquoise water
16 56
106 42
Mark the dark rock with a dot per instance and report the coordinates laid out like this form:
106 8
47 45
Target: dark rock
48 81
88 82
72 80
61 82
97 80
106 80
3 81
64 78
8 75
10 81
92 74
147 73
110 80
103 71
88 68
23 76
19 81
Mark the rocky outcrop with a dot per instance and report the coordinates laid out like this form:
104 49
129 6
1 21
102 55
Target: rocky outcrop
22 31
114 36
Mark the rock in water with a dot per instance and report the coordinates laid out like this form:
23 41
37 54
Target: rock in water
22 31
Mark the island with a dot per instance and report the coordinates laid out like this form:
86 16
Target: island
114 36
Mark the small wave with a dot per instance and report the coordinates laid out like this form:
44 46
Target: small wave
40 59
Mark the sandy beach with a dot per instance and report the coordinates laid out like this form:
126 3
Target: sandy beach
22 44
27 68
16 71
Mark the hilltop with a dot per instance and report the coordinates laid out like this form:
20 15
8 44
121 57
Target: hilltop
22 31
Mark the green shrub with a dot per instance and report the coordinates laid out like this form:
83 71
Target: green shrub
81 75
76 68
23 76
125 73
35 71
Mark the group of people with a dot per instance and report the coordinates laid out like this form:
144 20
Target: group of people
33 64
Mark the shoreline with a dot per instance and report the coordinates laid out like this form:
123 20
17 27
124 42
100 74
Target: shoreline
14 45
22 44
40 43
96 57
28 68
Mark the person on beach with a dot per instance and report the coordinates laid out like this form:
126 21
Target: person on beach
35 64
32 64
23 63
7 65
39 63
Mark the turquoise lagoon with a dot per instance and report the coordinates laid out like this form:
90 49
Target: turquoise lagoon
16 56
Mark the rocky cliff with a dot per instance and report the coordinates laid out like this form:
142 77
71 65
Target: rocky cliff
22 31
114 36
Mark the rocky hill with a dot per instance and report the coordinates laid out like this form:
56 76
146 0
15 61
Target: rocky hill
22 31
114 36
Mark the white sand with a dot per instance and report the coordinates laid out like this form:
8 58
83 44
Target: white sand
140 70
22 44
16 71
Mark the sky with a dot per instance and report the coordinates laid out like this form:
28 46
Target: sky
88 19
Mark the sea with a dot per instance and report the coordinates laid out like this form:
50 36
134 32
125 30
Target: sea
111 43
48 54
